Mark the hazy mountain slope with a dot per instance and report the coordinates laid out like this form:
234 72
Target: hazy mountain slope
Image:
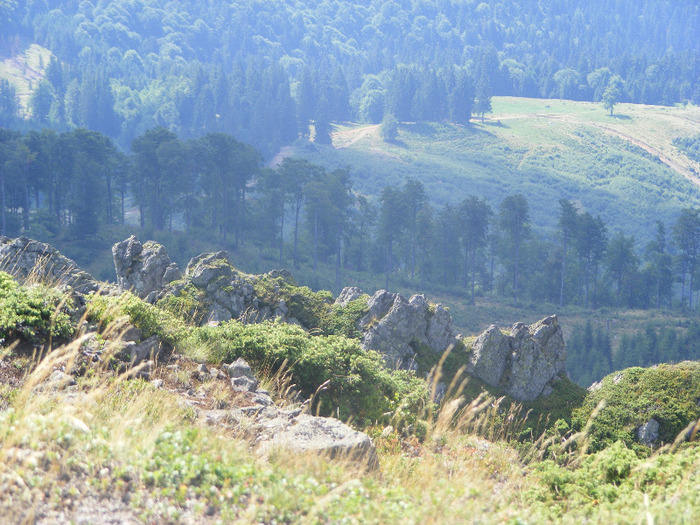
624 168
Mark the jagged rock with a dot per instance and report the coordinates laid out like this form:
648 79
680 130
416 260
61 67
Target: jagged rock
648 433
275 429
394 327
439 333
142 268
23 257
489 356
240 368
378 306
348 294
284 275
523 362
539 356
209 267
242 377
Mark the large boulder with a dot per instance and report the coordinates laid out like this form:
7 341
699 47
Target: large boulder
395 327
524 362
29 259
227 292
276 429
144 269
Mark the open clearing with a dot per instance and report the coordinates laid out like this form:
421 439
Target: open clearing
624 168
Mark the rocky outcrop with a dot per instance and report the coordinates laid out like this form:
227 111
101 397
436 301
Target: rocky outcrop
26 258
349 294
143 269
523 362
395 327
224 292
270 428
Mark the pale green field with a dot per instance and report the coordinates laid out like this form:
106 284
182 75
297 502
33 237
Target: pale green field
624 168
25 70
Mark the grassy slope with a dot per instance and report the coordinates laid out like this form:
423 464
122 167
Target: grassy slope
108 447
618 167
24 69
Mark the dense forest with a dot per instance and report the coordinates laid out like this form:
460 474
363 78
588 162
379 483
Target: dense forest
265 71
159 115
74 183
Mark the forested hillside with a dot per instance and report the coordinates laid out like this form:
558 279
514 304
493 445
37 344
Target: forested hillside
264 71
252 126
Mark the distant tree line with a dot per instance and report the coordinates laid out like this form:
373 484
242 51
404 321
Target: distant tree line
299 214
591 355
265 71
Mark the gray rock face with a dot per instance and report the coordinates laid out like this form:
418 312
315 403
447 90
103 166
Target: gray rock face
23 257
224 292
489 357
648 433
523 362
394 326
348 294
143 268
228 293
539 355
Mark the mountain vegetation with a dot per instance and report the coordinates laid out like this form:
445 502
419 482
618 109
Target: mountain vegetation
78 185
110 438
510 159
124 67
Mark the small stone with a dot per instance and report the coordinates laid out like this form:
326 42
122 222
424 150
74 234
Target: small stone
262 399
243 384
158 383
61 379
79 425
240 368
143 371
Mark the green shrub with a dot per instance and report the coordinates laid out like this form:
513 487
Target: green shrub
32 313
314 310
186 305
150 319
666 393
358 383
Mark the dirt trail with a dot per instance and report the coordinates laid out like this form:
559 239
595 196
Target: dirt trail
282 154
352 137
690 173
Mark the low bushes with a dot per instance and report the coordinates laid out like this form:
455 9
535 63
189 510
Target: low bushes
33 314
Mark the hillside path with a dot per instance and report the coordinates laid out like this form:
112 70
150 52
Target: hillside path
679 163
